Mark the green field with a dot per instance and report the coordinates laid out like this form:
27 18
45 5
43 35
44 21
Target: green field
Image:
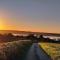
15 50
52 49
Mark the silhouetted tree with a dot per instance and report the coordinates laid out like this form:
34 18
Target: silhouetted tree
41 36
31 37
9 37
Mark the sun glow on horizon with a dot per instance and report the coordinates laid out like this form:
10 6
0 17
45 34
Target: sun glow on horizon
8 23
2 24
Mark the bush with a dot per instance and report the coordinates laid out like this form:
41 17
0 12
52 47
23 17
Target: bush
15 50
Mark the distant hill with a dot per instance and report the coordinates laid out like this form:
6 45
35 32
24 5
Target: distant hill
28 32
11 31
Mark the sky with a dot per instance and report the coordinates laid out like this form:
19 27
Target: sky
30 15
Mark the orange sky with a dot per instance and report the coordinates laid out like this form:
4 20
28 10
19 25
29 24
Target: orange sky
29 28
5 25
30 16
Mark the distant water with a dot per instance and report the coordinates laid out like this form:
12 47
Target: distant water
52 37
20 34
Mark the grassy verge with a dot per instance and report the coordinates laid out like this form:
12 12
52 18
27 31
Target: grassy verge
52 49
15 50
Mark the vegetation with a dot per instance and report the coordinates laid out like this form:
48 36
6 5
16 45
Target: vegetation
52 49
34 38
16 47
15 50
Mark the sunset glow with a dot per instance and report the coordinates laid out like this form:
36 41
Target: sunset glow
30 16
2 27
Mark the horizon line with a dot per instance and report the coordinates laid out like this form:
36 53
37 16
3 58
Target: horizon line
30 31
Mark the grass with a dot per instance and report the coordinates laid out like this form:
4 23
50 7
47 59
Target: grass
15 50
52 49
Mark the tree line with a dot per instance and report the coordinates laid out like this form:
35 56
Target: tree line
34 38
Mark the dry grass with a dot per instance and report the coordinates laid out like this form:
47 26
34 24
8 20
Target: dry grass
52 49
15 50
